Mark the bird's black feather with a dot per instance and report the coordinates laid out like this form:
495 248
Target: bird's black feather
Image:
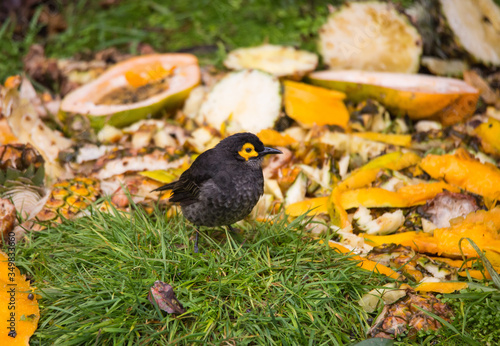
187 188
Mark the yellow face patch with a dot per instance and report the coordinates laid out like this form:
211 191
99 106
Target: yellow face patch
247 151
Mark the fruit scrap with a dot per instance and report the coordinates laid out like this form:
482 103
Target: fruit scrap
362 177
406 196
310 105
475 26
416 266
131 90
419 241
275 138
445 241
489 133
366 174
7 217
316 205
338 214
279 61
365 263
18 324
371 300
461 170
246 100
406 315
419 96
441 287
385 41
387 138
477 274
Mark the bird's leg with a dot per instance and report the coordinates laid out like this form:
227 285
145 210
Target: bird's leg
196 250
231 229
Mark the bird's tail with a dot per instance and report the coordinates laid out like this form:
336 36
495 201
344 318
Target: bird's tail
165 187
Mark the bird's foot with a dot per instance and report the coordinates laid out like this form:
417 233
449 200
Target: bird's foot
234 231
196 250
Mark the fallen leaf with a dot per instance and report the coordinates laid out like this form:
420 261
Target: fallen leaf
164 296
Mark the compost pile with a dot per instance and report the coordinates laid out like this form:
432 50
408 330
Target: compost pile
392 150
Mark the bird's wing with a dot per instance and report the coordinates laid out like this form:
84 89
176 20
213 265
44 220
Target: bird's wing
187 189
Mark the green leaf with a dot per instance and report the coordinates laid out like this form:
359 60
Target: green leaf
39 177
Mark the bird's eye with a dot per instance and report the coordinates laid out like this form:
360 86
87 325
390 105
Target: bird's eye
248 150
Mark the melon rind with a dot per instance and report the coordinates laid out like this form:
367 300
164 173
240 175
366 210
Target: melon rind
370 36
419 96
81 100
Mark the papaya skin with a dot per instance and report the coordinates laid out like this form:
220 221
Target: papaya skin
461 170
407 196
489 133
441 287
309 105
445 241
364 262
450 103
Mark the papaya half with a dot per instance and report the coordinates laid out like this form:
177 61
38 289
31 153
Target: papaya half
134 89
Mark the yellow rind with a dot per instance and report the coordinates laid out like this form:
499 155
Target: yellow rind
449 106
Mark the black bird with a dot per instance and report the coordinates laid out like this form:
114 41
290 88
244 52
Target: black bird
223 184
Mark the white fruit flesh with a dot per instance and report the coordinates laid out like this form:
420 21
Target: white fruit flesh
476 23
247 100
276 60
370 36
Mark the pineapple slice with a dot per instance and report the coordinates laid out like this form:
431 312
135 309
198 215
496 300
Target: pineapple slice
279 61
370 36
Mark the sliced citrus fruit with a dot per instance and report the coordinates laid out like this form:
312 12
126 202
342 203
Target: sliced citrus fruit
134 89
419 96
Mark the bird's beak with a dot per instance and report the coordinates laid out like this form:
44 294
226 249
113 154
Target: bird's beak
268 151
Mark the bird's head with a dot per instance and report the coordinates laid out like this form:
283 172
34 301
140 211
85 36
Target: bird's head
246 147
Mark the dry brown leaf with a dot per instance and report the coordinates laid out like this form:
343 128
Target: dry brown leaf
162 295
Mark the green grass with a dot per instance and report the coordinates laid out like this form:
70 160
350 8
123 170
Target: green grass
273 285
